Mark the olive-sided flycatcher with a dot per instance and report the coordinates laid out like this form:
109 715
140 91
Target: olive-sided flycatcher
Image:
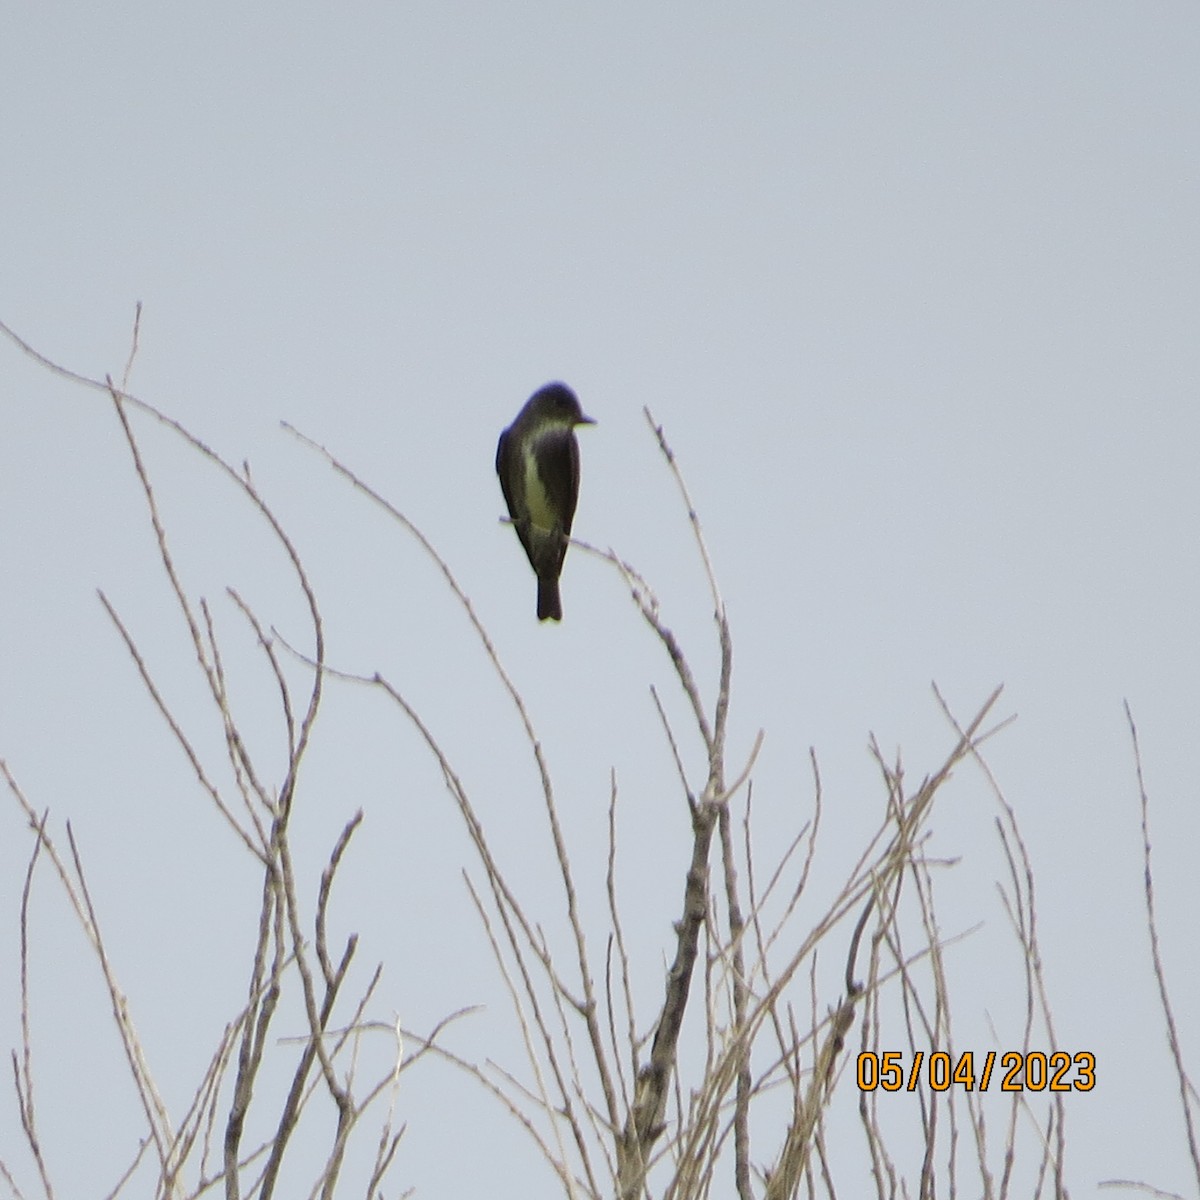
538 464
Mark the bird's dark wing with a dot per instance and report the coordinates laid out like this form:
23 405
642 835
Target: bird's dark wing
557 457
504 454
511 472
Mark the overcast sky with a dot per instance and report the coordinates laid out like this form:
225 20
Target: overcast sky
915 292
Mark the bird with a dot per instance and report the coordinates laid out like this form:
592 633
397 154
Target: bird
537 460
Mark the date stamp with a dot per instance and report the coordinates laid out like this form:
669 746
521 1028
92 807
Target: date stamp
1032 1071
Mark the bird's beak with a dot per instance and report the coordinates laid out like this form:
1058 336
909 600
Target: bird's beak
585 420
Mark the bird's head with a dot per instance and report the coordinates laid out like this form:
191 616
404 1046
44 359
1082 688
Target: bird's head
557 403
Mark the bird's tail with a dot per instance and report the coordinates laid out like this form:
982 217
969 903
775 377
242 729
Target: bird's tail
549 603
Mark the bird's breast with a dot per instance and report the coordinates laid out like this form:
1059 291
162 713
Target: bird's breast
541 513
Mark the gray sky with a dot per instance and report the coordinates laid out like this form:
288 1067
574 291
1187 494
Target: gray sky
915 292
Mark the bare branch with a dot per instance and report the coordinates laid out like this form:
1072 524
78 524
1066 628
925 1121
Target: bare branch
1160 975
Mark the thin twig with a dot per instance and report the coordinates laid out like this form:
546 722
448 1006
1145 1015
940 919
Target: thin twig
1160 974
